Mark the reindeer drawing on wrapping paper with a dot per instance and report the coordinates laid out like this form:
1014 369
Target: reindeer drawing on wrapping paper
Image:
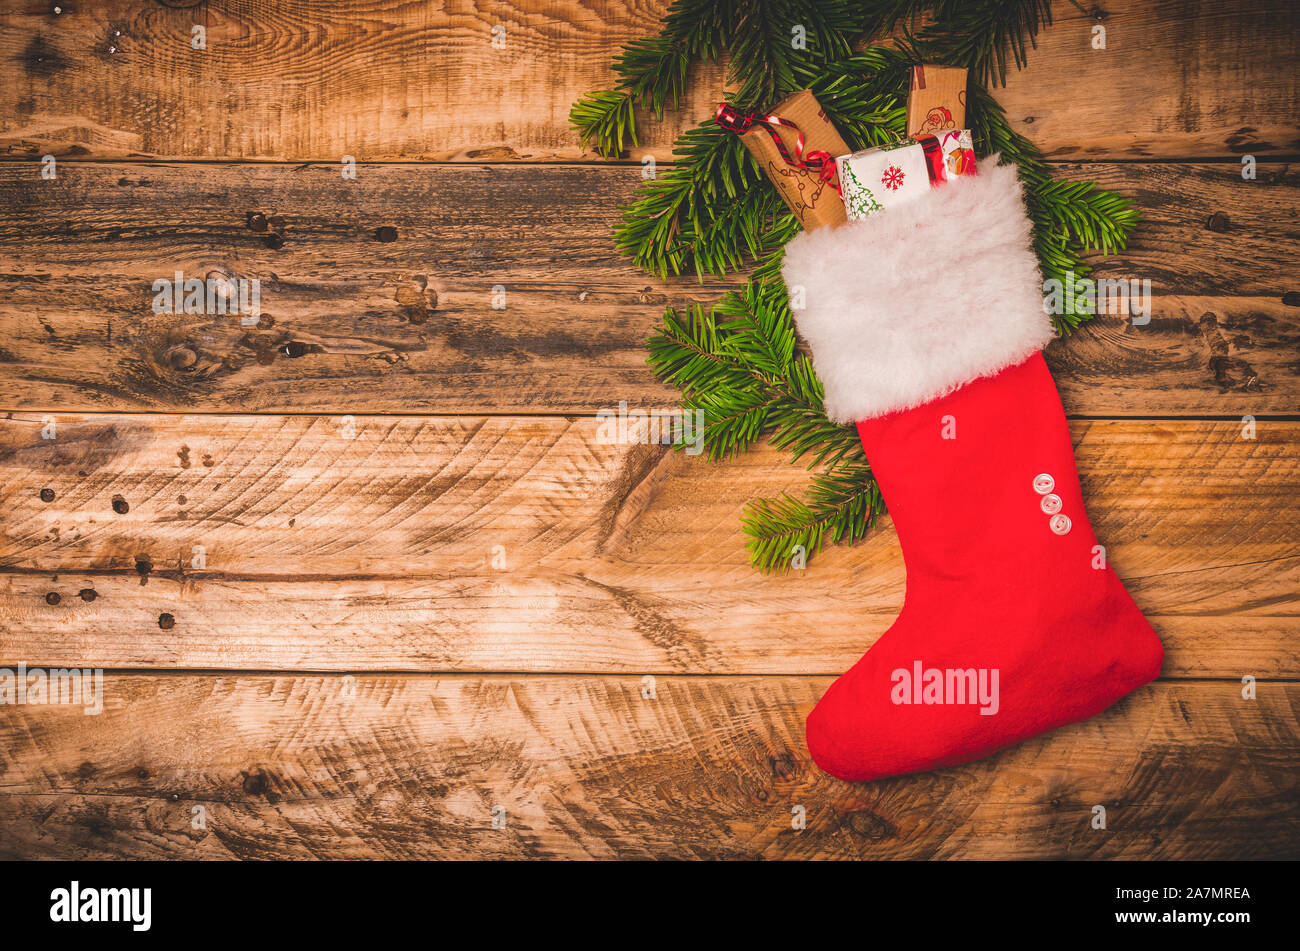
801 181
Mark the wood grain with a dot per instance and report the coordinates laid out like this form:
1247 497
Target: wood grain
383 80
414 767
400 622
354 324
532 544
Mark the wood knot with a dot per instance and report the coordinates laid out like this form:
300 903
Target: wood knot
256 783
182 358
417 299
783 766
53 598
88 594
868 825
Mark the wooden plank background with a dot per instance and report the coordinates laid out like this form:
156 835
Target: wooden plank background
372 575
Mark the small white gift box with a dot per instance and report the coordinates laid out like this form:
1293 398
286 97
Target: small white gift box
950 153
876 179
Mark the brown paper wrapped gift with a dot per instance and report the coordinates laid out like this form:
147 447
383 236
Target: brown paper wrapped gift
814 201
937 101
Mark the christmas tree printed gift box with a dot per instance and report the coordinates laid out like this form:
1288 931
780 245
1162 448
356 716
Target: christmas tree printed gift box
876 179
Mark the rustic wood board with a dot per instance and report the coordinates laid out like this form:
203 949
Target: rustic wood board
362 543
383 80
414 767
379 550
353 324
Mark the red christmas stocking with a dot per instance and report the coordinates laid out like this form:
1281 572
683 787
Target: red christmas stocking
1013 623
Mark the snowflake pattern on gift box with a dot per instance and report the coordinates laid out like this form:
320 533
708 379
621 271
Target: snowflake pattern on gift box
892 178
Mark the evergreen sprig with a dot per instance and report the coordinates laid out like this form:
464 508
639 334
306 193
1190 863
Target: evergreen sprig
606 121
842 506
1071 219
712 212
766 40
739 366
652 72
980 34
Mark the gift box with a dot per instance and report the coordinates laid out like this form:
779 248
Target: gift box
937 100
948 154
796 146
877 179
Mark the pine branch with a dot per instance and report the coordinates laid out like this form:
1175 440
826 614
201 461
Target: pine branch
1071 219
605 120
864 94
710 212
738 364
774 37
652 74
842 507
979 34
878 17
687 353
713 212
760 60
1087 217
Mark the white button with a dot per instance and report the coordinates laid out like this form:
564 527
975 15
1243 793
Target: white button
1043 483
1051 504
1060 524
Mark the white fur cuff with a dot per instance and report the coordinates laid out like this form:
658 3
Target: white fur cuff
911 303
